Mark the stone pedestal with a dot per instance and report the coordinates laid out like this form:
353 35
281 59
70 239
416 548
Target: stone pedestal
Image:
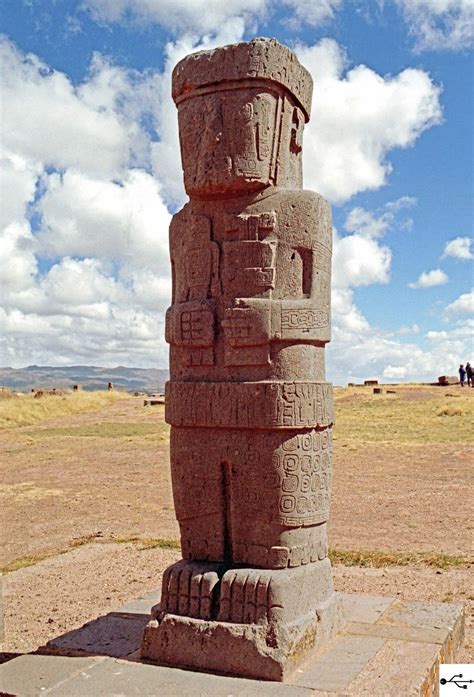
250 410
267 621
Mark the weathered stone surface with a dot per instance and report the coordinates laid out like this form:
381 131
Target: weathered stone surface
269 650
250 410
30 676
110 635
336 667
364 608
399 668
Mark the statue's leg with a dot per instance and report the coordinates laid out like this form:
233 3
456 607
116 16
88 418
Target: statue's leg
189 587
278 508
198 494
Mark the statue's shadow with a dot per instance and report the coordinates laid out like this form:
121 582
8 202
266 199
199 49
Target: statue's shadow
117 634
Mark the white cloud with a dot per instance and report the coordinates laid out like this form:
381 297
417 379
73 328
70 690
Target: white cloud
17 258
47 120
101 217
313 12
347 318
463 305
124 221
440 24
374 354
18 178
430 279
199 16
358 117
407 330
459 248
359 261
395 372
373 225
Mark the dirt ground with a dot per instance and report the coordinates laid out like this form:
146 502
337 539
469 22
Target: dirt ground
105 476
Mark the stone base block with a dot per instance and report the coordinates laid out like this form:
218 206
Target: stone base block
243 650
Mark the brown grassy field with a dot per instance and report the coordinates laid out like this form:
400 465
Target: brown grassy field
98 472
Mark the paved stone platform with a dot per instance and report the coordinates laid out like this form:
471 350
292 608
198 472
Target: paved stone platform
388 648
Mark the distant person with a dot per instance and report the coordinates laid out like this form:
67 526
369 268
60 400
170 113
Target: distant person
462 374
470 383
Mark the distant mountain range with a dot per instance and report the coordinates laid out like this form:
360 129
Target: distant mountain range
87 376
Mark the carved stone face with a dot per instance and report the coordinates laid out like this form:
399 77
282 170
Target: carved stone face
229 141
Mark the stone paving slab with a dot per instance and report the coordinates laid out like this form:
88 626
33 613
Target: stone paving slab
399 669
422 614
141 605
334 669
111 635
31 675
115 677
364 608
426 635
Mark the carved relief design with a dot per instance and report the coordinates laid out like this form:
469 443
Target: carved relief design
248 267
190 324
302 319
305 462
293 488
249 405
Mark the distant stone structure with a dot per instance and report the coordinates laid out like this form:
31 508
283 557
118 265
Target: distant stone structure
110 386
446 380
249 407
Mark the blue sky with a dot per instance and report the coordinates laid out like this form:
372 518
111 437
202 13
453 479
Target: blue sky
91 173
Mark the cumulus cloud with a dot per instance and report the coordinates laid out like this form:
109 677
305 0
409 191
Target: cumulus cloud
18 261
360 261
376 224
374 354
459 248
440 24
312 12
407 330
463 305
197 16
430 279
126 221
358 117
18 179
92 278
395 372
47 120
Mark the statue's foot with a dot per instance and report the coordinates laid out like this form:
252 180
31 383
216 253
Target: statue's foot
190 588
244 596
274 596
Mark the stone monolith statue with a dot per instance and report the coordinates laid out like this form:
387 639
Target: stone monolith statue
249 408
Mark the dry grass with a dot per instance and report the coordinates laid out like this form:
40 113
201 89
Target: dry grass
383 559
147 542
408 417
141 542
33 559
24 410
